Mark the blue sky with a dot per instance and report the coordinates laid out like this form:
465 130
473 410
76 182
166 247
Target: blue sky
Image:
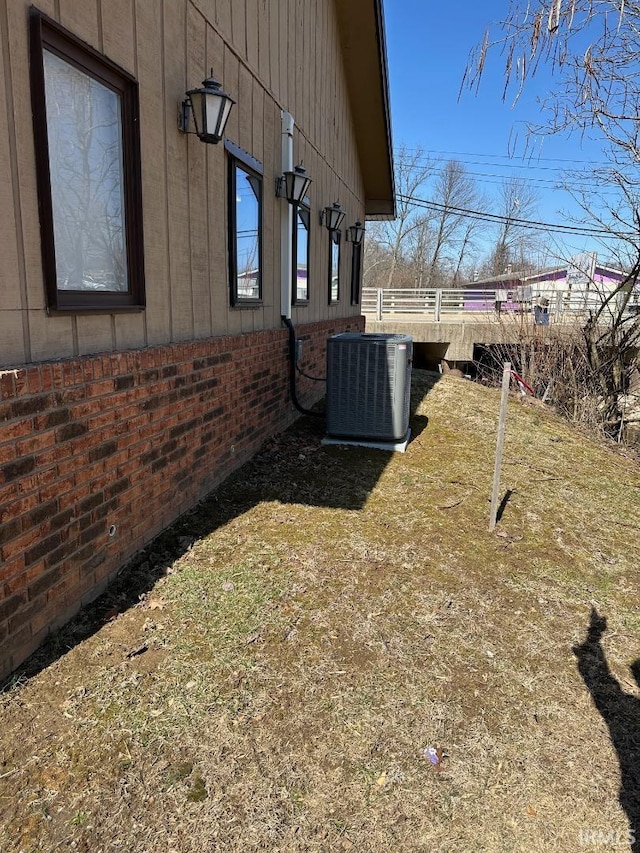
428 45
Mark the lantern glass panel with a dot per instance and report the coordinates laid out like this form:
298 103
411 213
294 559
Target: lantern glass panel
212 113
224 115
197 106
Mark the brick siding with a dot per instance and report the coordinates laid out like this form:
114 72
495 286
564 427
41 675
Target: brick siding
99 454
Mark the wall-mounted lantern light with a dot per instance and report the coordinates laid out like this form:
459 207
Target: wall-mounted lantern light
355 233
210 108
293 185
332 216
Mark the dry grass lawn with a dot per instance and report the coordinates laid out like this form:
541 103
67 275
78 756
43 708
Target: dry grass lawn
270 674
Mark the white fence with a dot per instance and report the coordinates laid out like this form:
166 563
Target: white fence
467 303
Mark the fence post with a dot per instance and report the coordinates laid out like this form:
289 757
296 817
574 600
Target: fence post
438 304
379 304
559 299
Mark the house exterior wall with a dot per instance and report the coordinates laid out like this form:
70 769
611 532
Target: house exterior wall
100 453
281 54
112 425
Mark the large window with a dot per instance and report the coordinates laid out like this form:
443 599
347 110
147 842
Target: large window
356 273
334 266
245 228
86 127
301 255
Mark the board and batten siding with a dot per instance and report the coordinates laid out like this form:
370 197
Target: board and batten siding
269 55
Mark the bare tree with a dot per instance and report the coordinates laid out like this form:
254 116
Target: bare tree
593 46
465 246
420 250
516 201
377 258
413 170
428 242
454 191
593 50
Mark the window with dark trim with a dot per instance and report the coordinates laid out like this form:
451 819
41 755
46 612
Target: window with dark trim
245 228
301 255
334 266
356 273
87 144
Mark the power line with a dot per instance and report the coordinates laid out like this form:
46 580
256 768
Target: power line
536 183
576 231
581 179
508 177
525 166
507 156
548 185
498 218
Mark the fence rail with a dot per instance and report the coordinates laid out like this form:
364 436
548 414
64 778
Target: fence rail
436 303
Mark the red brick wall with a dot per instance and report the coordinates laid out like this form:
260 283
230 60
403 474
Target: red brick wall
129 441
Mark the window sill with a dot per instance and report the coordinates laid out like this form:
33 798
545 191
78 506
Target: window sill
243 306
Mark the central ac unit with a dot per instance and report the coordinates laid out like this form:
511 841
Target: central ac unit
368 386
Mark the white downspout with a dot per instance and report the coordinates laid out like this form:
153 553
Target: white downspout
286 220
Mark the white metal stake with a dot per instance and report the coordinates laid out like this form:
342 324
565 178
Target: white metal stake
506 379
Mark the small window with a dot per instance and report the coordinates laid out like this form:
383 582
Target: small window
334 266
301 255
245 232
356 273
86 128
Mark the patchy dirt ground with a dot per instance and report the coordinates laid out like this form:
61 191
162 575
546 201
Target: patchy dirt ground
332 653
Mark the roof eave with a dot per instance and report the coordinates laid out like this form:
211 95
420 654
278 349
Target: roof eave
362 36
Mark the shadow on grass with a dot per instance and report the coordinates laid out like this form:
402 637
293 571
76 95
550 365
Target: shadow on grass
292 467
503 504
621 713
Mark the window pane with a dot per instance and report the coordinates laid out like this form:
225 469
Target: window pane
356 273
86 166
247 235
335 266
302 252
